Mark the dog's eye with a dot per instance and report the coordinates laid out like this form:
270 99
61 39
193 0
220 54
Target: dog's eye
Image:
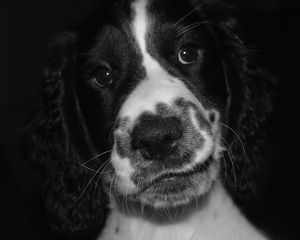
188 55
103 76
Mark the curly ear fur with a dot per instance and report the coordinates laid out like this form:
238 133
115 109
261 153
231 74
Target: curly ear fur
74 211
246 158
251 90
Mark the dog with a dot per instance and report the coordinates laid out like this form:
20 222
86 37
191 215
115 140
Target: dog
152 124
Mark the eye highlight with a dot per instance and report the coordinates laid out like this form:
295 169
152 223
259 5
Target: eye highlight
188 55
103 76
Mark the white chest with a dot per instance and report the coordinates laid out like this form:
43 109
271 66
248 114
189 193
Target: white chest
218 219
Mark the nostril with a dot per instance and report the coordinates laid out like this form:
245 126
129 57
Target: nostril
172 130
155 135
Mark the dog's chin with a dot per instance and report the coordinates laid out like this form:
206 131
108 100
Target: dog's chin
173 191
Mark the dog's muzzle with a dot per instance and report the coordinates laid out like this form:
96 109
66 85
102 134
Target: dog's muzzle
164 144
166 156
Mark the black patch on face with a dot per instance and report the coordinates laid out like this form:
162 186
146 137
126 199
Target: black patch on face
110 43
205 77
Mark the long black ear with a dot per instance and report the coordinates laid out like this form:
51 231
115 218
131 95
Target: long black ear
60 143
251 90
247 160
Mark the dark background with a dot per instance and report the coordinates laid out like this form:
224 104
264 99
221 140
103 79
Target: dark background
272 25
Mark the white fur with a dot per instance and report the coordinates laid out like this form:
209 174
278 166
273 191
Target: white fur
123 170
218 219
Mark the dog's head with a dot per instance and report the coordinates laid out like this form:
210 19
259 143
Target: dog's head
166 85
167 103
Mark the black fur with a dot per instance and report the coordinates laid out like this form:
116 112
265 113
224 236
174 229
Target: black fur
70 126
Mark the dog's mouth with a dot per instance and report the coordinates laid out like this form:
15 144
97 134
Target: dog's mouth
170 181
174 188
153 184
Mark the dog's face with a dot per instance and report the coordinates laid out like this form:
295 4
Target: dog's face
157 98
156 72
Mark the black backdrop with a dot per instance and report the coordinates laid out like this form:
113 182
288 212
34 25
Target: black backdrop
26 27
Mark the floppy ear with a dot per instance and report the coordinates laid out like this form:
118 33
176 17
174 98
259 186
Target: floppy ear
60 143
247 155
250 103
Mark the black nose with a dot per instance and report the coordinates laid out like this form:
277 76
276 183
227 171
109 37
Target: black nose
156 136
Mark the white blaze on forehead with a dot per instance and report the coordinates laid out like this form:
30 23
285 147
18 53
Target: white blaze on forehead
140 23
158 86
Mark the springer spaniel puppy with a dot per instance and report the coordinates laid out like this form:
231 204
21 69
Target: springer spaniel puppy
151 126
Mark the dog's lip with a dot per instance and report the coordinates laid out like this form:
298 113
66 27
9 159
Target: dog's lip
171 177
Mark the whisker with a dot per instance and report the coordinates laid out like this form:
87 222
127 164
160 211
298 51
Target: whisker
107 164
227 147
197 24
240 140
234 174
104 163
189 13
228 150
195 197
96 184
126 204
169 215
110 123
111 185
86 187
95 157
88 168
158 211
90 181
225 165
190 27
184 207
176 212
